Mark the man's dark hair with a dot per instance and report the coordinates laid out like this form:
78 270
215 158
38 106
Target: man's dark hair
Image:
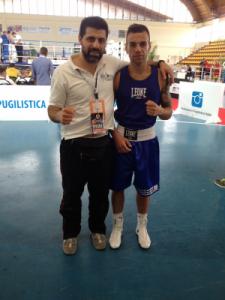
44 51
137 28
94 22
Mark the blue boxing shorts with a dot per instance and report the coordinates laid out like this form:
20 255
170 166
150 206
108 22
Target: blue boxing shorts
142 162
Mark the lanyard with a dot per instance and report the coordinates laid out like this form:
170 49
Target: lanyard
95 89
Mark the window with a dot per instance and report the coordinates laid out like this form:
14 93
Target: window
49 7
73 8
126 14
82 8
97 8
8 6
65 8
167 7
16 6
25 6
88 10
104 10
112 12
119 13
57 8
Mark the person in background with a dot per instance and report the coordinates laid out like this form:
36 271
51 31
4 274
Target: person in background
19 46
82 100
5 47
42 68
223 72
202 68
12 48
4 79
12 72
216 71
189 73
207 68
141 96
202 63
0 48
25 77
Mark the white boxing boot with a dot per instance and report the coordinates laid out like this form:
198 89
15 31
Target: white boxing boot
116 234
141 231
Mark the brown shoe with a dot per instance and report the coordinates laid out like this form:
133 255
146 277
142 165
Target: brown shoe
70 246
98 241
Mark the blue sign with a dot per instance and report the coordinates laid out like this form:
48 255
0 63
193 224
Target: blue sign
197 99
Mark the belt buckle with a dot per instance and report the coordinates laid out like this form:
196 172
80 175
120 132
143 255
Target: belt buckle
131 134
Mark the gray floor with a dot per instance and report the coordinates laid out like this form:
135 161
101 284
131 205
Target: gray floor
187 222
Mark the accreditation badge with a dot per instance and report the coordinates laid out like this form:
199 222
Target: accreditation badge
97 109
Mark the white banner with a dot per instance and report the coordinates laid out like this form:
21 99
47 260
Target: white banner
201 100
24 103
174 88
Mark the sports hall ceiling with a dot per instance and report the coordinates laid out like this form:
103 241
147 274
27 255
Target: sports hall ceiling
201 10
138 9
205 10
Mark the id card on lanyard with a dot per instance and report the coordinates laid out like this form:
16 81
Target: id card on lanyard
97 111
97 108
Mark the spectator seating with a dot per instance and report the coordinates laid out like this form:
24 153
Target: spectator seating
212 52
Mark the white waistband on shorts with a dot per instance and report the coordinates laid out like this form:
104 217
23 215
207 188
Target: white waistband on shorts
142 134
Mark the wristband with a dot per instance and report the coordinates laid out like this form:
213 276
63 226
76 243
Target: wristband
160 61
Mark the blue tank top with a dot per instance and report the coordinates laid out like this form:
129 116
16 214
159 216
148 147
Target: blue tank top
131 97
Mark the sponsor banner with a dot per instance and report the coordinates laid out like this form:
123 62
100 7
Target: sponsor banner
36 29
68 31
201 100
16 28
24 103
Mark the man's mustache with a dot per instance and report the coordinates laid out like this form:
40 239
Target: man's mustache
95 50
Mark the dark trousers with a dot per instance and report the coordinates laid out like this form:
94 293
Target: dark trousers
85 161
19 51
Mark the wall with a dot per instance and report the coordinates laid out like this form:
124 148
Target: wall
172 40
210 31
